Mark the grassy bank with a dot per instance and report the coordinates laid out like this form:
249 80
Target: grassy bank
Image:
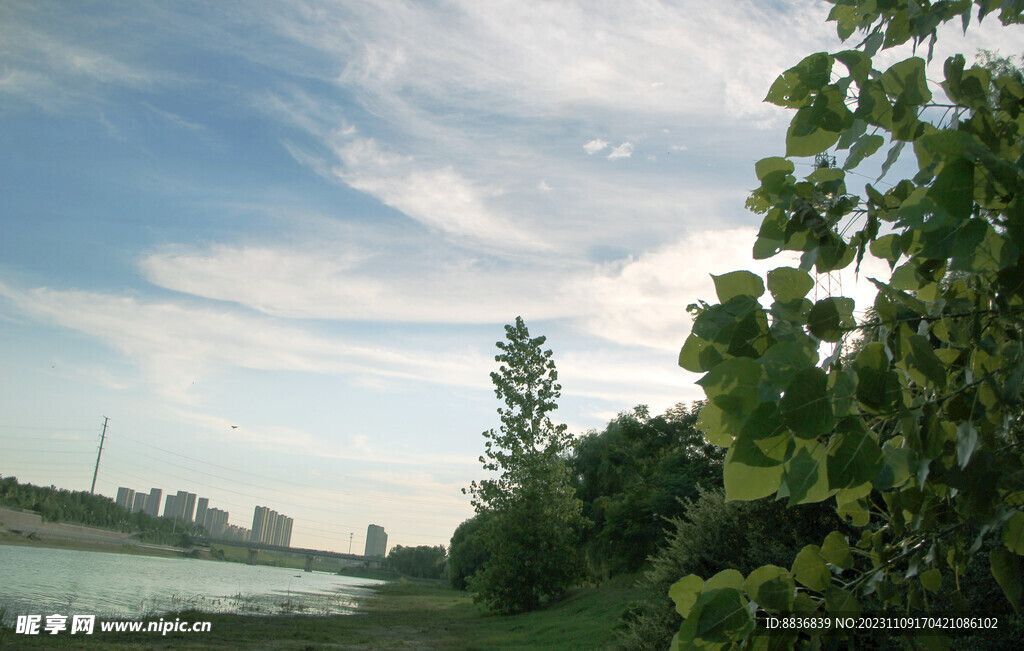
401 614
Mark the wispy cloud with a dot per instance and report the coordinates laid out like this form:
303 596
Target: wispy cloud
177 344
438 197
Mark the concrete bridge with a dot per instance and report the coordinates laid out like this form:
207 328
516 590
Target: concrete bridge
310 554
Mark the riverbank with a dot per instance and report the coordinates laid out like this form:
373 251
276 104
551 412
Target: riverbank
27 528
400 614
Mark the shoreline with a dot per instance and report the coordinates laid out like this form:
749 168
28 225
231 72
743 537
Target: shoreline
27 528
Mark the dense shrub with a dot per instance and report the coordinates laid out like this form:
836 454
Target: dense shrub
714 535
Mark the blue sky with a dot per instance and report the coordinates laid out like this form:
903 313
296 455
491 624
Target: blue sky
275 242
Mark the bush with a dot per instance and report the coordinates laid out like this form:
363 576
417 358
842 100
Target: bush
714 535
466 555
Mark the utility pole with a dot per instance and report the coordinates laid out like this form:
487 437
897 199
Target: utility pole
103 437
350 543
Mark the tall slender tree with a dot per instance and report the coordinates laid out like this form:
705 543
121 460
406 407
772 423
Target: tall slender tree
531 534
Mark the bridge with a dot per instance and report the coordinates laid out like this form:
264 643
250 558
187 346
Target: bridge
310 554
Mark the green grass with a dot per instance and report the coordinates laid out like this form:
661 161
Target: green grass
402 614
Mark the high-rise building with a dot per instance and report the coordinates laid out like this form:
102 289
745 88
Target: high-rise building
139 502
201 506
279 529
186 505
171 507
286 538
125 496
271 528
259 523
376 541
216 522
153 502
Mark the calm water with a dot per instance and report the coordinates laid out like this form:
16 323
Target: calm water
35 580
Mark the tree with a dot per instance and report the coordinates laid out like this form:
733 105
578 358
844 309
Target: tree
423 562
466 554
632 477
533 518
917 438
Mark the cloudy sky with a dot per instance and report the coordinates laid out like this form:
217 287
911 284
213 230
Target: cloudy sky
275 242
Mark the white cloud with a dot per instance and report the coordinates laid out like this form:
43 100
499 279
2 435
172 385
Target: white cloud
594 146
625 150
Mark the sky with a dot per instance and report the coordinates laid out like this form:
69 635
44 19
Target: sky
275 243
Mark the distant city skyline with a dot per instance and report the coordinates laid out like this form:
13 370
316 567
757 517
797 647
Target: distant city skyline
268 526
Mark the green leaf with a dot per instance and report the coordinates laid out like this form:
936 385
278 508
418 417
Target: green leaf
698 355
810 569
738 283
896 467
763 441
858 63
841 602
836 550
921 357
733 385
784 360
728 578
773 166
721 614
810 143
887 247
718 427
854 455
805 406
1006 570
907 81
953 188
932 580
830 318
794 87
878 387
858 515
899 296
967 443
805 478
787 284
1013 534
864 147
685 592
744 482
891 158
772 587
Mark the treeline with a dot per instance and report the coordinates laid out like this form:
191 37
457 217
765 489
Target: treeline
78 507
423 562
653 503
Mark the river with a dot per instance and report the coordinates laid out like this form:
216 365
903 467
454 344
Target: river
38 580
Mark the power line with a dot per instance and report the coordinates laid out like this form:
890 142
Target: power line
215 480
346 493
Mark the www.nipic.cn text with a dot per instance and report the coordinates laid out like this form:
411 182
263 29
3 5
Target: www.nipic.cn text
86 624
